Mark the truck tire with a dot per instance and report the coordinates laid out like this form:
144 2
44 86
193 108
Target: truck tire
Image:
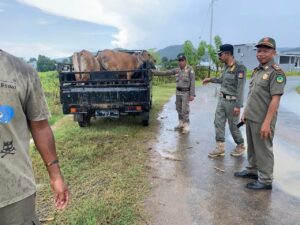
145 119
84 120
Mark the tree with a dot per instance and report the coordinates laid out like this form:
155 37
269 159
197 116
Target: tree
201 50
218 41
45 64
190 53
32 59
164 61
212 51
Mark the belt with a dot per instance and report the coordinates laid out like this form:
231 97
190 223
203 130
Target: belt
228 97
182 89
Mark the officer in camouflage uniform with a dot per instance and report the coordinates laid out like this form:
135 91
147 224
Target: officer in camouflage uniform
185 90
230 102
266 87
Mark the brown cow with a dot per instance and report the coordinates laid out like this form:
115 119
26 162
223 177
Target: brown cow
84 61
117 61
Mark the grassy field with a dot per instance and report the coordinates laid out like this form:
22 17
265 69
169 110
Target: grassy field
295 73
105 165
298 89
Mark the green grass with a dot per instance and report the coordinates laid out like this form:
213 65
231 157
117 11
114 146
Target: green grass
294 73
104 165
50 85
298 89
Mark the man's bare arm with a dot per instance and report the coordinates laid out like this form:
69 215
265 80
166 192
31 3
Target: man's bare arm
44 141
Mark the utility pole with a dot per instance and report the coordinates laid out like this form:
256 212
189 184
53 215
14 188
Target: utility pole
210 34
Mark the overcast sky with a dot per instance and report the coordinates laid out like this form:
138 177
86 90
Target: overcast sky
57 28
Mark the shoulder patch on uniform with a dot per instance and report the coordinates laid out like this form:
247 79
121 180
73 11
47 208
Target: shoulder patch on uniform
241 74
276 66
280 78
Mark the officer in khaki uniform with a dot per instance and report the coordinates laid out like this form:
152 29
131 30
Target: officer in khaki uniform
230 101
260 115
185 90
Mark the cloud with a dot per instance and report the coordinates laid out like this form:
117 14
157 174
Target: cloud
44 22
28 50
123 15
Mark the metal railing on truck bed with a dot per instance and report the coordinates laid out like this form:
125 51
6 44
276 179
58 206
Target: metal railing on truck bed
105 93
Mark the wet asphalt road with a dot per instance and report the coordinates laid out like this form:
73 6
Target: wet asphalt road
190 189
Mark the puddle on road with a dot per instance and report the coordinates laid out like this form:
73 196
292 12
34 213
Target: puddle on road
288 102
287 169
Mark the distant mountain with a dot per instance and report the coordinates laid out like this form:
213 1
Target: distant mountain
171 51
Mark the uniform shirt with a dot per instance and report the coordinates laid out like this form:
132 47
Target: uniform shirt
185 78
266 81
232 82
21 99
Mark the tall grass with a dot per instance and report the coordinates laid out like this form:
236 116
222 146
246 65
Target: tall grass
50 85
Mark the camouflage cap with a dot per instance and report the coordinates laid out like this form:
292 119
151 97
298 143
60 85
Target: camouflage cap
267 42
181 56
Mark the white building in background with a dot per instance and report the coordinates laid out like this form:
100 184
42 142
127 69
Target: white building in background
246 54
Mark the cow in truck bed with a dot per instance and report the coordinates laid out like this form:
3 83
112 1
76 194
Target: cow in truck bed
84 61
111 60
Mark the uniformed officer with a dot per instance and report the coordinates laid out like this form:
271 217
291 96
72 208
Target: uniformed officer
266 87
230 101
185 90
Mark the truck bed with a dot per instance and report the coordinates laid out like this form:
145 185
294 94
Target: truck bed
105 94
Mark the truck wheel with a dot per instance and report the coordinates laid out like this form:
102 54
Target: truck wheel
85 121
145 118
145 123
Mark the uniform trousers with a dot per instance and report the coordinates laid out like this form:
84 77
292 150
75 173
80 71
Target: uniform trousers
260 152
183 106
223 113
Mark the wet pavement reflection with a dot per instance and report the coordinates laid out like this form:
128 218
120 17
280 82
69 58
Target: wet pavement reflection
204 190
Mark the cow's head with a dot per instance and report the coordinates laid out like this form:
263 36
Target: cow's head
148 58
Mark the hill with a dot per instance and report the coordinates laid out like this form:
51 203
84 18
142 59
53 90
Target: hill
171 51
